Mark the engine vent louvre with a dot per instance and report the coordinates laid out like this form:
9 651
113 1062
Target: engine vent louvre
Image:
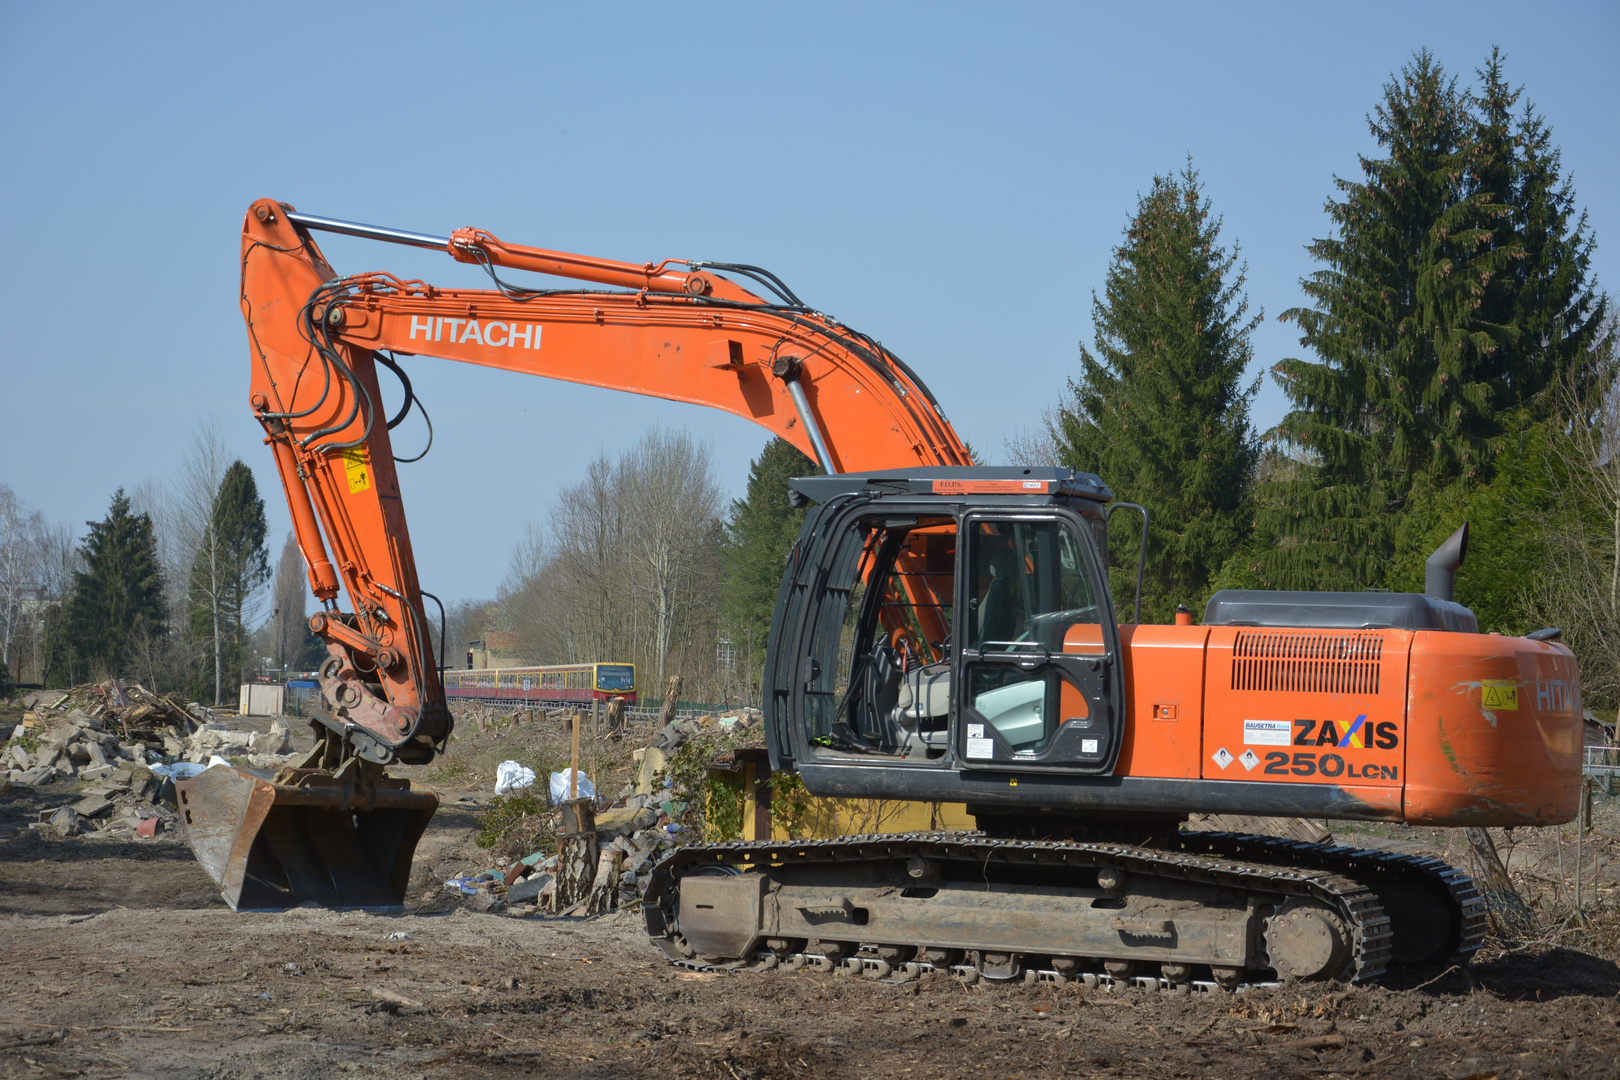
1316 663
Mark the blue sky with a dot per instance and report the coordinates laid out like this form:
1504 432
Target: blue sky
948 178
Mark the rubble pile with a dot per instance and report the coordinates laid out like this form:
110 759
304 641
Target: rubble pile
123 741
89 732
634 832
263 750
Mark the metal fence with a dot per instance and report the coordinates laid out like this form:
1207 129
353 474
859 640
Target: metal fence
1602 764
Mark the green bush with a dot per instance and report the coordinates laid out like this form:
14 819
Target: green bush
711 803
519 817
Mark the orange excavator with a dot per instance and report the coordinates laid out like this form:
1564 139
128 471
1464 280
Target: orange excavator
944 633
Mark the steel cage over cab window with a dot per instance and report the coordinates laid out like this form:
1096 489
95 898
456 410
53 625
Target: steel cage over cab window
1037 675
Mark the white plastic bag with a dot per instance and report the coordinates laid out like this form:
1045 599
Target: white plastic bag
510 776
180 770
559 786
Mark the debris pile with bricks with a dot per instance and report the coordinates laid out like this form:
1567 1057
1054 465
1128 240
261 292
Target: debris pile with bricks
124 742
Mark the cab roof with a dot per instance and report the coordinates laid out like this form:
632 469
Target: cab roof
988 480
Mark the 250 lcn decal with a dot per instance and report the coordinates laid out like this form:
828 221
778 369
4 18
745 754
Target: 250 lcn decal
1385 735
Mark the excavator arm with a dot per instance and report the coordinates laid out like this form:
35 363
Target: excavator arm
683 334
676 329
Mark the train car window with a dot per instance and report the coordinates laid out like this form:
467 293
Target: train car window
615 678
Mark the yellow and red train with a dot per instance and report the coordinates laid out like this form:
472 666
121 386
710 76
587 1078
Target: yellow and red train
550 685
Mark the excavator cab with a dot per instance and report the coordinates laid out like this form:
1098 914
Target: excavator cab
951 619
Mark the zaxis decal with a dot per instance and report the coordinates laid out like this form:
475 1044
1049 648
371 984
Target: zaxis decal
1385 734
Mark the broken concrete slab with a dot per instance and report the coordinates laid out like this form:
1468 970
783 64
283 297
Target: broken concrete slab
278 740
650 762
528 889
120 779
622 821
92 807
38 775
65 822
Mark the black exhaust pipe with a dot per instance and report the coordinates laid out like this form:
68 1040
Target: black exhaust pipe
1440 569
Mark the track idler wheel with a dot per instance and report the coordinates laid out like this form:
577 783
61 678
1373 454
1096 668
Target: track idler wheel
784 947
836 951
1066 966
1178 975
1307 940
1120 969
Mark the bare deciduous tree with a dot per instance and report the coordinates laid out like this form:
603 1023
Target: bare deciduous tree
1578 587
630 569
675 510
196 539
37 560
289 598
1037 445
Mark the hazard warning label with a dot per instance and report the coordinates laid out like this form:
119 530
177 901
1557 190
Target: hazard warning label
358 468
1498 694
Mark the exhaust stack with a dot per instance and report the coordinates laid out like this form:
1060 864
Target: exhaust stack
1440 569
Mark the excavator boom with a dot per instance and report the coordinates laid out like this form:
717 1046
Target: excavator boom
674 329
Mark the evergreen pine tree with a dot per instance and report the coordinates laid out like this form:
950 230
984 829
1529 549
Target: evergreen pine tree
1545 296
122 583
1453 297
1160 412
758 535
228 572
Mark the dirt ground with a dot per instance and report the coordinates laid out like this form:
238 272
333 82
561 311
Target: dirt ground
117 959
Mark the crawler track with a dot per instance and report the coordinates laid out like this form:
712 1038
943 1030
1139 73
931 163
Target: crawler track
1438 911
1378 870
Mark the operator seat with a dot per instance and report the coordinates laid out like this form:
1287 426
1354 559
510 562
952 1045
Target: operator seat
999 611
883 677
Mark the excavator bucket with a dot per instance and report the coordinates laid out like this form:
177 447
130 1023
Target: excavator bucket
271 846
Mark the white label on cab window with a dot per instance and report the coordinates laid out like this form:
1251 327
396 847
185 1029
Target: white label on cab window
1088 746
1266 732
977 745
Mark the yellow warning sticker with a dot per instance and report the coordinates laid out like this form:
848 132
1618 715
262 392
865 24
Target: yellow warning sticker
358 467
1496 694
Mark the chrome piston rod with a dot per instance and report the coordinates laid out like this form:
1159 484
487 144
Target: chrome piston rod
369 232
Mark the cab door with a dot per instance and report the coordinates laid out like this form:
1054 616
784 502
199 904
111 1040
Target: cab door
1038 679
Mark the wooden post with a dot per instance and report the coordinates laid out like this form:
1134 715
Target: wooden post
577 853
573 763
596 713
